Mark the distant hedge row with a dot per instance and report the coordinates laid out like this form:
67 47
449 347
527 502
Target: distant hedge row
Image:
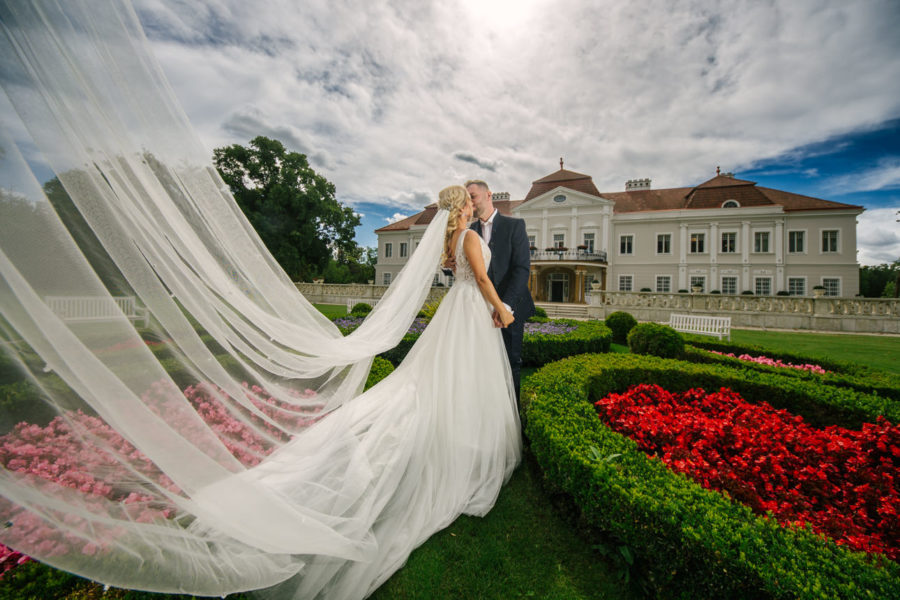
692 542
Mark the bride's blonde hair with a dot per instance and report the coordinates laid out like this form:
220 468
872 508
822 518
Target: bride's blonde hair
452 198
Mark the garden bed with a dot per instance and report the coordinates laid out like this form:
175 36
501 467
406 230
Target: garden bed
692 542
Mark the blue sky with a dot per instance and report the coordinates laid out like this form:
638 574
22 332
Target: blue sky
394 101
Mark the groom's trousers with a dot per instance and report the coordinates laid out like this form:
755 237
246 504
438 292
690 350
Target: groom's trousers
512 339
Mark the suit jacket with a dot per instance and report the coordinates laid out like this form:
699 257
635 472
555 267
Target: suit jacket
510 265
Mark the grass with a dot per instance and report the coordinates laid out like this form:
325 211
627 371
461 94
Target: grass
332 311
525 547
877 351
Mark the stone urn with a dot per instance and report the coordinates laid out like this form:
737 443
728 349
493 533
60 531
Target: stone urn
818 291
595 286
696 288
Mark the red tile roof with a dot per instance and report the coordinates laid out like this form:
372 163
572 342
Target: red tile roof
563 178
709 194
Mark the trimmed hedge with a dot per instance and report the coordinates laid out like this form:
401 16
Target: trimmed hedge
381 368
690 542
537 349
620 323
656 339
872 382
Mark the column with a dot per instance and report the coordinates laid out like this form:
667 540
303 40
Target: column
579 277
604 243
573 230
779 255
545 241
745 256
682 256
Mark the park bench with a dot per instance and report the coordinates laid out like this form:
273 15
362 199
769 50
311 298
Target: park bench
701 324
97 308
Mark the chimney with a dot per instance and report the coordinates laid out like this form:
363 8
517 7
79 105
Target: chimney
495 196
637 184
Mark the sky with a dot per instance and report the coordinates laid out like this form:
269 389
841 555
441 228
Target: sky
392 101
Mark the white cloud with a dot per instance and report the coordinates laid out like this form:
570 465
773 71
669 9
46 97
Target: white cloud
394 102
884 176
395 217
878 236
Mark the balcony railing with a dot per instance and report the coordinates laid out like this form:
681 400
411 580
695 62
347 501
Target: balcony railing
568 255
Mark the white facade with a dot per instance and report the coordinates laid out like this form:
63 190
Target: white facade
788 246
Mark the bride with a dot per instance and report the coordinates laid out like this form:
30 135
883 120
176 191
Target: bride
438 437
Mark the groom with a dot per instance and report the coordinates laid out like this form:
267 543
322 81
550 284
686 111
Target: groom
509 269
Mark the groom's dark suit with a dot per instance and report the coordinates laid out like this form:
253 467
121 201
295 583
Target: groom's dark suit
509 272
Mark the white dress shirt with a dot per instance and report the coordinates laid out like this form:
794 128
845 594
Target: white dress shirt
487 226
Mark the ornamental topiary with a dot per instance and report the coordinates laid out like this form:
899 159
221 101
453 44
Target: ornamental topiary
658 340
360 309
381 368
620 323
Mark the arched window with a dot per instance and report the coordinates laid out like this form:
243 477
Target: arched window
730 204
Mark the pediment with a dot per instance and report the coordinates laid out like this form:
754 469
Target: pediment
562 197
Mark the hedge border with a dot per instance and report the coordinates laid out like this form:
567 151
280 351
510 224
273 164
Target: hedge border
869 382
691 542
538 349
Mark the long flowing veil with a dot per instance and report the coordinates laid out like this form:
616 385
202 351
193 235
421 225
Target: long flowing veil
152 347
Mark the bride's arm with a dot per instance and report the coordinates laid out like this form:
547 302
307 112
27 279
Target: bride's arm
472 248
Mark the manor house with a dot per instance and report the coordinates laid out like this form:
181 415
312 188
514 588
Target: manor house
725 235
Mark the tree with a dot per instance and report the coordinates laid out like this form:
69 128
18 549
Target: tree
292 207
873 279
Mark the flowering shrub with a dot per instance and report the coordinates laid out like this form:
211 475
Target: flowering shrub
548 328
348 324
845 483
765 360
72 449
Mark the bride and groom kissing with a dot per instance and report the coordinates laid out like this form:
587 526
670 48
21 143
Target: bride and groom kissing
508 270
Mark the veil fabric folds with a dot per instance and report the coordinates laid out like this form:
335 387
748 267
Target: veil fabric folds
117 433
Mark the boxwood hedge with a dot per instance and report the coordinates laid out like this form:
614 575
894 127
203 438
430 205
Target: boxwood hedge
690 542
538 348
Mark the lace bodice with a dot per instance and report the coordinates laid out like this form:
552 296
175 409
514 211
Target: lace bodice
463 268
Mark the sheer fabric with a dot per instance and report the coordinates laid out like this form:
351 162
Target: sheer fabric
223 444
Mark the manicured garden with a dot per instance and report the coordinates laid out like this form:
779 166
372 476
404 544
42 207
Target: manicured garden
768 473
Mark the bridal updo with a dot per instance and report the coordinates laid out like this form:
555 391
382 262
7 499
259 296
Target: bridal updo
453 199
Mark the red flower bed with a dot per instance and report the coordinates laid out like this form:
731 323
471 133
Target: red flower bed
844 483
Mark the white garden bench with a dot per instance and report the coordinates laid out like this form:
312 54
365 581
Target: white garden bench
97 308
701 324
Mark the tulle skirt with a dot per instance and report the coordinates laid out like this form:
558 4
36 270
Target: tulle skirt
437 438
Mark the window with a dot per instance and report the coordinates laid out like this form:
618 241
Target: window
698 281
663 283
404 249
763 286
436 280
386 277
559 240
832 286
729 242
797 286
698 243
588 279
760 241
626 282
664 243
589 242
830 240
388 250
796 242
730 204
531 241
626 244
729 285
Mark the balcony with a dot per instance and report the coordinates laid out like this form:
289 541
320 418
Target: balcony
565 255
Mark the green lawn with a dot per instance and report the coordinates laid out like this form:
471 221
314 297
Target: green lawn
332 311
877 351
524 548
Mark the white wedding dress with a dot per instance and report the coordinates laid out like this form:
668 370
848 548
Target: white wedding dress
437 438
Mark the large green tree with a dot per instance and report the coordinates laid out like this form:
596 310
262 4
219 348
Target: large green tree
292 207
874 280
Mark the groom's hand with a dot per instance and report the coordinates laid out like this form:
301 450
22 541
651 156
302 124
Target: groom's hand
495 317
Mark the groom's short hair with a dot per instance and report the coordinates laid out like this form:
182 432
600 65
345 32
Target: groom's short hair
479 183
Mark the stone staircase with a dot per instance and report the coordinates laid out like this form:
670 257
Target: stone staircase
556 310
